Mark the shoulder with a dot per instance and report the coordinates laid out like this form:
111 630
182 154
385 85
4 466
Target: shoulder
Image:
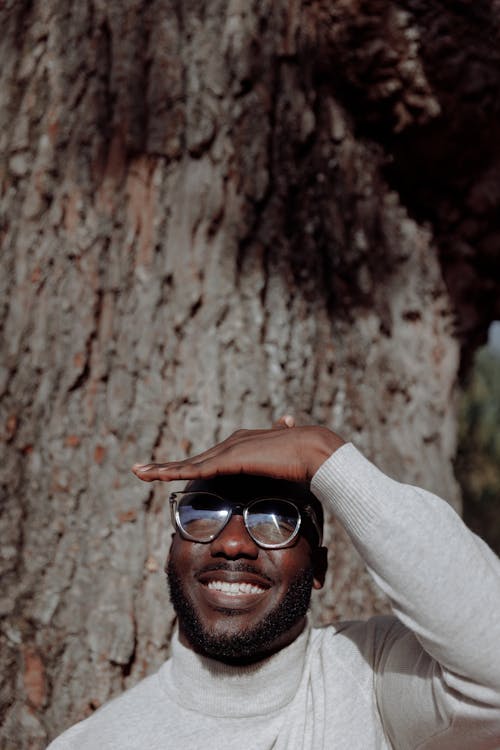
366 654
368 639
120 720
374 629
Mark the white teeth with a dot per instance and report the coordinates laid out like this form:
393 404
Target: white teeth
235 588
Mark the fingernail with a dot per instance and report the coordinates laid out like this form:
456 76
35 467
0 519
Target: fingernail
289 420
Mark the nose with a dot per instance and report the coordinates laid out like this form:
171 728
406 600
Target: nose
234 541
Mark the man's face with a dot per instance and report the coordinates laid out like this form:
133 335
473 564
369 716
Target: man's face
236 601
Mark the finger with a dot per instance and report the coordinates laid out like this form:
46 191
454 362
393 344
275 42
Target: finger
166 472
143 470
284 422
185 469
224 458
189 469
219 459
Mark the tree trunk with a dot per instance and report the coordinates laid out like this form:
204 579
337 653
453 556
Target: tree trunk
211 216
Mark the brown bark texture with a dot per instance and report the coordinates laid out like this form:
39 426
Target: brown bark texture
213 213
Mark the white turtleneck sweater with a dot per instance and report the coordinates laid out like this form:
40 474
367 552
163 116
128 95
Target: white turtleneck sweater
426 679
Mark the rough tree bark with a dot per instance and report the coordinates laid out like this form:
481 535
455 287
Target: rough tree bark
212 213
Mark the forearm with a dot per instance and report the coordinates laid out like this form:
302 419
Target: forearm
443 582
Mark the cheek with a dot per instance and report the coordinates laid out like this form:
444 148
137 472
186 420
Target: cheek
182 555
294 560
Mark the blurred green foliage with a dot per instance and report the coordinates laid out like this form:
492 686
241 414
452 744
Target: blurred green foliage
478 458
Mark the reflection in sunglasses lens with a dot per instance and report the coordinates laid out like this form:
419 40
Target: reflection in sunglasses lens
272 521
202 516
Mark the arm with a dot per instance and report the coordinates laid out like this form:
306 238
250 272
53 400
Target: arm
441 688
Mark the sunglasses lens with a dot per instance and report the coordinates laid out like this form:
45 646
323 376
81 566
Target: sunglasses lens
272 522
201 515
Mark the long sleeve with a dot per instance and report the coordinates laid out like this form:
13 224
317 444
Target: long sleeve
437 676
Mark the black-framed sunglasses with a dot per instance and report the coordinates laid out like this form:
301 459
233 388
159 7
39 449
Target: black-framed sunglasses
272 522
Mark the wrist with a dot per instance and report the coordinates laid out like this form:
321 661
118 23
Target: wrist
324 444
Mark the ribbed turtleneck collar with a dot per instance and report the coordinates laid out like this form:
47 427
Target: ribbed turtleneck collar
216 689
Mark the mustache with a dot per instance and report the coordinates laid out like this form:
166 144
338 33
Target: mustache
238 566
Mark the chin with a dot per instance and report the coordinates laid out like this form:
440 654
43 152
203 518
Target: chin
230 640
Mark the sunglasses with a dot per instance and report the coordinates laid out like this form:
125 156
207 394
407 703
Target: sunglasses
272 522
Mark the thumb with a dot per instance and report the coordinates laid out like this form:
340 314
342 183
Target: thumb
283 422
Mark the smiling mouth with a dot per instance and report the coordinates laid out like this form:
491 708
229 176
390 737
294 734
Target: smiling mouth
234 588
240 580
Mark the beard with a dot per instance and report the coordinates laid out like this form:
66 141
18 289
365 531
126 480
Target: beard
248 645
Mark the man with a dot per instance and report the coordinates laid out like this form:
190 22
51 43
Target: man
248 672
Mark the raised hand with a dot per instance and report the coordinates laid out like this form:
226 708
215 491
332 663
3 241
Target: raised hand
283 452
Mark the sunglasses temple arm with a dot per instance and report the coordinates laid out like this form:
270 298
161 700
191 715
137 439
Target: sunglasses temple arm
312 516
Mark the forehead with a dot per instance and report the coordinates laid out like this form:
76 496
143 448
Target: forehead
246 487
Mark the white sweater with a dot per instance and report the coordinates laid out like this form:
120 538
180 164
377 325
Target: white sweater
425 679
